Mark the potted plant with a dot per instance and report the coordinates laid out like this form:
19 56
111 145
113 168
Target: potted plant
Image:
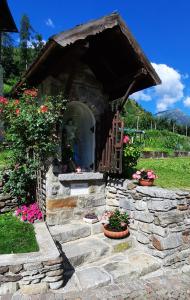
115 224
145 177
90 218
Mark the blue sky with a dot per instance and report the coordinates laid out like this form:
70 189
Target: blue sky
161 28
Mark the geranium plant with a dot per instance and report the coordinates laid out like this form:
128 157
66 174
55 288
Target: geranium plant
144 174
115 220
29 213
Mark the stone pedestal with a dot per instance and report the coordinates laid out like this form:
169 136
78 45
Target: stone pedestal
70 196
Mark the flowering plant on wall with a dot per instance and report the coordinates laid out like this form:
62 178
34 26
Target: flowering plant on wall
29 213
31 124
144 174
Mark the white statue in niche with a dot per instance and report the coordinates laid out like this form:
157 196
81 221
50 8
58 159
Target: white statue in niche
71 130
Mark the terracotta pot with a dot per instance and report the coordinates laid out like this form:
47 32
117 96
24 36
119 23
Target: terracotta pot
146 182
115 234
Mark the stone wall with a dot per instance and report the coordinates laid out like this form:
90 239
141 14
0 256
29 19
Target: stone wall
36 270
70 196
159 218
7 203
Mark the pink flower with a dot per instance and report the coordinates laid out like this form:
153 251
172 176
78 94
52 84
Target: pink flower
126 139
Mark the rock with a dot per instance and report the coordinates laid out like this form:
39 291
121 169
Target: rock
33 266
145 227
55 273
173 240
10 278
15 269
4 270
56 285
165 218
2 204
112 202
29 273
142 238
126 204
140 205
159 230
56 261
156 192
161 205
9 288
92 277
5 197
51 268
143 217
39 288
52 278
36 281
131 186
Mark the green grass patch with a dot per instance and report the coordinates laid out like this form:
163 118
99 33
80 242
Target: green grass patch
172 172
16 236
4 156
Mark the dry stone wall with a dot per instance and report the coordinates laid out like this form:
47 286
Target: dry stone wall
159 218
7 203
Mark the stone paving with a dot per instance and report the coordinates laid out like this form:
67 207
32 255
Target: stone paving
163 287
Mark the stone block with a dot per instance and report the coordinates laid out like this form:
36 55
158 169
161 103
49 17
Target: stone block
143 217
56 285
4 269
165 205
52 278
68 202
55 273
53 262
155 192
92 278
15 269
60 216
173 240
145 227
134 225
33 266
126 204
159 230
140 205
142 238
10 278
33 289
165 218
112 202
9 288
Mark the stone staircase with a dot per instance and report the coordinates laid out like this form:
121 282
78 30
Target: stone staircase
92 260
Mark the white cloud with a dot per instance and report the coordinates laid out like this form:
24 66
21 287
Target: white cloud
168 92
50 23
141 95
186 102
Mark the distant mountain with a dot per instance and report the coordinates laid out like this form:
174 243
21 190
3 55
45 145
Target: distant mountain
176 115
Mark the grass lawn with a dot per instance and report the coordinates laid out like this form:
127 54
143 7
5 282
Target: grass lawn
172 172
4 154
16 236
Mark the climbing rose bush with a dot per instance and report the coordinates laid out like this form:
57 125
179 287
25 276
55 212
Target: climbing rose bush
31 125
29 213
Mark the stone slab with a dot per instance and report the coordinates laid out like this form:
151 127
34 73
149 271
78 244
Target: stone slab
92 277
86 176
69 232
88 250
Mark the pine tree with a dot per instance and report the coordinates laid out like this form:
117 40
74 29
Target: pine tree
25 41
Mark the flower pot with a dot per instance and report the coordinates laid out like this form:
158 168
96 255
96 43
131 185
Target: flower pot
146 182
115 234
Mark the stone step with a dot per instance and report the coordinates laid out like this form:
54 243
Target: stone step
93 248
74 230
112 269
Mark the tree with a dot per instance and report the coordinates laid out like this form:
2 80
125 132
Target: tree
25 41
37 44
8 57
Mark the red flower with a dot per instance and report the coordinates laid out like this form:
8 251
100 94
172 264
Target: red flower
17 111
31 92
126 139
3 100
43 108
16 102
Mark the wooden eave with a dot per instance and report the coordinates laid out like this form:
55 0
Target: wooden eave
109 49
7 23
